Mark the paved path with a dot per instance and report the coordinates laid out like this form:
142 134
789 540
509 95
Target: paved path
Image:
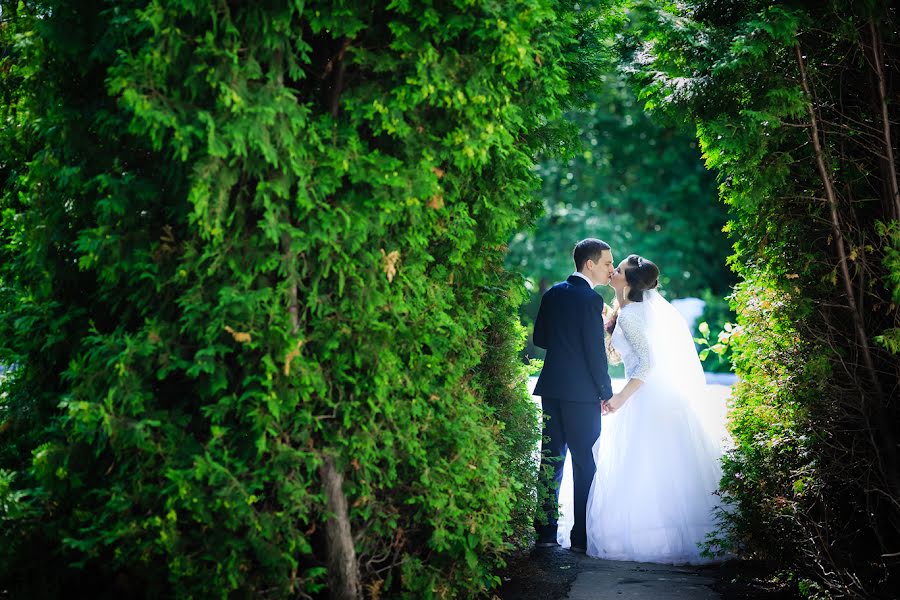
602 579
558 574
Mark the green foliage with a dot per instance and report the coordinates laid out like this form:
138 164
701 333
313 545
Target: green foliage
890 240
772 469
503 383
890 340
637 184
812 478
237 238
890 235
634 181
715 351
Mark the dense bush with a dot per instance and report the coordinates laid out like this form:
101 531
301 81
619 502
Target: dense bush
251 278
794 109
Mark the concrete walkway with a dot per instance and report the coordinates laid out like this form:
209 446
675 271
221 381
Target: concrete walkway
606 579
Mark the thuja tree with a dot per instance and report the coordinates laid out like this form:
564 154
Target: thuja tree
253 293
796 110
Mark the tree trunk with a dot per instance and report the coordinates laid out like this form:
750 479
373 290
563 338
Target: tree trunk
343 578
877 59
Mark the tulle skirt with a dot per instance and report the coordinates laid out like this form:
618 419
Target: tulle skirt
652 499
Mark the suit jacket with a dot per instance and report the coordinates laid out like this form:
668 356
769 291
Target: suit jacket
569 326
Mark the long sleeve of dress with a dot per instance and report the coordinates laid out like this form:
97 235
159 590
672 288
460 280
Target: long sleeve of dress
634 329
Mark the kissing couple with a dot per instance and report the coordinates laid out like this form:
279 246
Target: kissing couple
645 461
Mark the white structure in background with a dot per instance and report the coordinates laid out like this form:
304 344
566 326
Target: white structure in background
690 309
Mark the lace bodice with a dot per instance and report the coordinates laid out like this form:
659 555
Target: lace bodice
630 340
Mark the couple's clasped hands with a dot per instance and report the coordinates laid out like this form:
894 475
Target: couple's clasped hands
608 407
617 401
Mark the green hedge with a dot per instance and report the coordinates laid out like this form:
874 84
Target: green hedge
242 242
789 111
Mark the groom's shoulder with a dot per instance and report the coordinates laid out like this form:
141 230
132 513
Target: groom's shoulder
574 290
562 286
591 297
586 296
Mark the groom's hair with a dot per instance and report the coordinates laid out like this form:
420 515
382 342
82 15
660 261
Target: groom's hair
641 275
589 249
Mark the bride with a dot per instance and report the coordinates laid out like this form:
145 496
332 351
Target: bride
652 498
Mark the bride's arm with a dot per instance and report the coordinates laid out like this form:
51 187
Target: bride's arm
635 333
630 388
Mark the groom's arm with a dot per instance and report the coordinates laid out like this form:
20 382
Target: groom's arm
595 349
539 336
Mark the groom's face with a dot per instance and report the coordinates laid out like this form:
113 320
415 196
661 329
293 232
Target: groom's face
602 269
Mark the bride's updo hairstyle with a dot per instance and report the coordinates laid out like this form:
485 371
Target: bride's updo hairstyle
641 275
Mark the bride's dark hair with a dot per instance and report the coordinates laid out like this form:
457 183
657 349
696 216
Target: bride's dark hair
641 275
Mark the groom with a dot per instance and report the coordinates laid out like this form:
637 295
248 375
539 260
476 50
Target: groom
574 380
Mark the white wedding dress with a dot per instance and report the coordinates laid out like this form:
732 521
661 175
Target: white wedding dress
652 499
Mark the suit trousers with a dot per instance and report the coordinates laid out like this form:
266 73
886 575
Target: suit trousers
572 426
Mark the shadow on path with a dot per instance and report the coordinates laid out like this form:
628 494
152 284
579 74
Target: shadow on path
558 574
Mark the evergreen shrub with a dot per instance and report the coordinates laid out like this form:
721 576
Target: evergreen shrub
794 108
251 248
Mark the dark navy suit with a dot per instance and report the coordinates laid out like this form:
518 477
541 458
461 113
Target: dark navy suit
572 384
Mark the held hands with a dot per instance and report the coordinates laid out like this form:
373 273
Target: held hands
618 400
608 407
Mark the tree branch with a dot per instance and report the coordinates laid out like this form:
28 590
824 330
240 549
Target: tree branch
885 120
831 195
339 78
294 305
